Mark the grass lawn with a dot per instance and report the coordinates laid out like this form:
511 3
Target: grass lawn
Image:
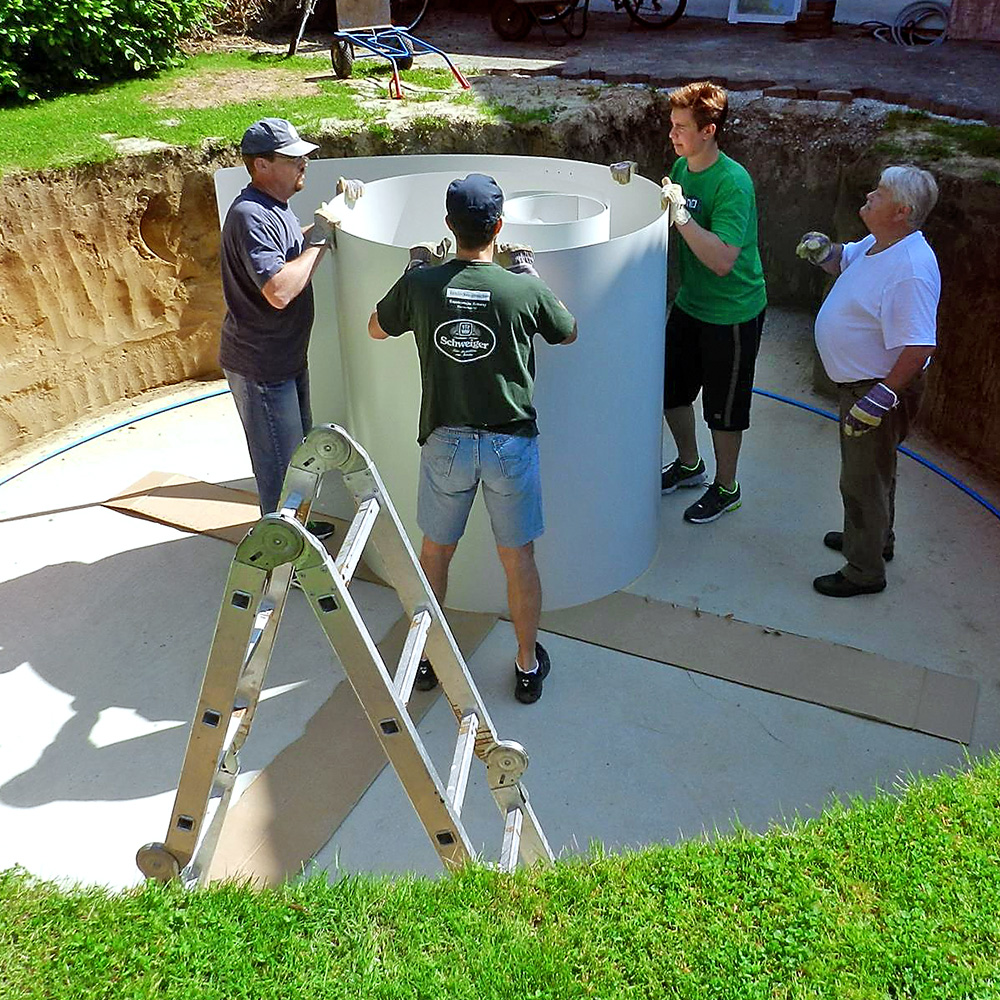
80 128
895 897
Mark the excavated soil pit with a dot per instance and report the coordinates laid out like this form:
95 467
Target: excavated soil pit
111 282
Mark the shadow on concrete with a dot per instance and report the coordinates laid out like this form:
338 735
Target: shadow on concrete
120 633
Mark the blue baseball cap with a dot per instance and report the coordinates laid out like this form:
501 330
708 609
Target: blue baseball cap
274 135
476 199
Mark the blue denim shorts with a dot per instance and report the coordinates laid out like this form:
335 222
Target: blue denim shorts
453 462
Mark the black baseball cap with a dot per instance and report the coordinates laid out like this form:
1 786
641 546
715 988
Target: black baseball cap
274 135
474 200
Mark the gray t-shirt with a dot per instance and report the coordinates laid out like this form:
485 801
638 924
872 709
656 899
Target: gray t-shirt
260 235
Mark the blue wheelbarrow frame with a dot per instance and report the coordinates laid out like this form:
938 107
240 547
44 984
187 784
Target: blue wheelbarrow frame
392 43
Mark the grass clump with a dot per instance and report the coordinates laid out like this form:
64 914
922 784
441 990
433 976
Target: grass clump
518 116
896 897
941 139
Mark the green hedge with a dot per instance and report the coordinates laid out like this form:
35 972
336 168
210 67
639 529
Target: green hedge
49 47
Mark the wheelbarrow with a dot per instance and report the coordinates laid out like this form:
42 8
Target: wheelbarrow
366 24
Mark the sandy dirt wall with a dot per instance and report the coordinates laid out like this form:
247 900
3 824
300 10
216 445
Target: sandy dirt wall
111 273
110 287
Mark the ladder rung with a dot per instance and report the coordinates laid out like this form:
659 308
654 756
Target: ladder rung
511 839
458 779
357 538
413 650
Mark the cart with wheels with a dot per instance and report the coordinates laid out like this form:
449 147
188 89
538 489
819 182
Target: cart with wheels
367 24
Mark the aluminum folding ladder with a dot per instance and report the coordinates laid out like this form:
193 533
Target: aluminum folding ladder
256 589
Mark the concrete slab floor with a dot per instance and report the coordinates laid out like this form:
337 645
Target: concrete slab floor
106 622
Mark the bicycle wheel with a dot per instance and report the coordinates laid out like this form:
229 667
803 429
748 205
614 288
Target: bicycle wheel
654 13
407 13
511 21
557 11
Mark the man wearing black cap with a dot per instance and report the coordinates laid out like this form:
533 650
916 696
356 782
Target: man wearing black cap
268 261
473 323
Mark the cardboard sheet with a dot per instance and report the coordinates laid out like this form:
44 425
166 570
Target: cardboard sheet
208 509
824 673
812 670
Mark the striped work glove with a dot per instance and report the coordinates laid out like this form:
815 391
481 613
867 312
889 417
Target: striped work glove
867 413
622 172
816 248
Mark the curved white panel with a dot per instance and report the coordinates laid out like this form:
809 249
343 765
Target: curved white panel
601 247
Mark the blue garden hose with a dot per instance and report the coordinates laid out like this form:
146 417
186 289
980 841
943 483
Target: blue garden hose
906 451
108 430
982 501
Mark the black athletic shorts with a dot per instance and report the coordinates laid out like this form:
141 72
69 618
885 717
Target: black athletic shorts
717 360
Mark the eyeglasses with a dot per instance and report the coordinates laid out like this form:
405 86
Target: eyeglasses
298 160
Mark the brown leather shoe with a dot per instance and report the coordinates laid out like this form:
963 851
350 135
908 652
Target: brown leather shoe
837 585
835 540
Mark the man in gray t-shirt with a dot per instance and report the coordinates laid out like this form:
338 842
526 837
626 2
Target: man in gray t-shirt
268 261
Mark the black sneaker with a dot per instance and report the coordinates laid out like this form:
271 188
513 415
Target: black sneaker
713 504
835 540
675 474
426 679
837 585
320 529
528 687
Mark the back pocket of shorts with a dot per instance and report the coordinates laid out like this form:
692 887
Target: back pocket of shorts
442 450
514 455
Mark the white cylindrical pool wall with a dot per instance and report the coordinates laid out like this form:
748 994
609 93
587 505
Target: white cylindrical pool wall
599 400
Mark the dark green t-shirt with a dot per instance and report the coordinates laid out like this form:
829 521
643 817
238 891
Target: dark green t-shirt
473 323
722 200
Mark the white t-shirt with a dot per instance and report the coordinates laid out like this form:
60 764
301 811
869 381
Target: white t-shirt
879 304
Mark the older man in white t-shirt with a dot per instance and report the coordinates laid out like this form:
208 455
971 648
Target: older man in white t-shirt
876 332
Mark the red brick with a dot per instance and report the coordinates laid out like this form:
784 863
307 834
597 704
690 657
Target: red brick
844 96
782 90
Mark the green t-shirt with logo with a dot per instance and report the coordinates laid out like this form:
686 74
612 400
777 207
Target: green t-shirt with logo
722 200
473 323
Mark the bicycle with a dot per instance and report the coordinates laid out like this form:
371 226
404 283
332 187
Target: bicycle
403 14
512 19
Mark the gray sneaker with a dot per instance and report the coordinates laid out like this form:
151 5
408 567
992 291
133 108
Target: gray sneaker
714 503
675 475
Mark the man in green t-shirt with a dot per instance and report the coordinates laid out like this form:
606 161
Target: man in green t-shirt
473 322
715 323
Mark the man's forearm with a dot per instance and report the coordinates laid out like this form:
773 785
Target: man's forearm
908 365
289 282
717 256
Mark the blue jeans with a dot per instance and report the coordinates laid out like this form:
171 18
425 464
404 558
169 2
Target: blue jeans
455 460
276 417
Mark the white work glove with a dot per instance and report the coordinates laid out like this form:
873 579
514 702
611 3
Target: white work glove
352 190
325 220
672 198
817 248
428 254
622 172
518 258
